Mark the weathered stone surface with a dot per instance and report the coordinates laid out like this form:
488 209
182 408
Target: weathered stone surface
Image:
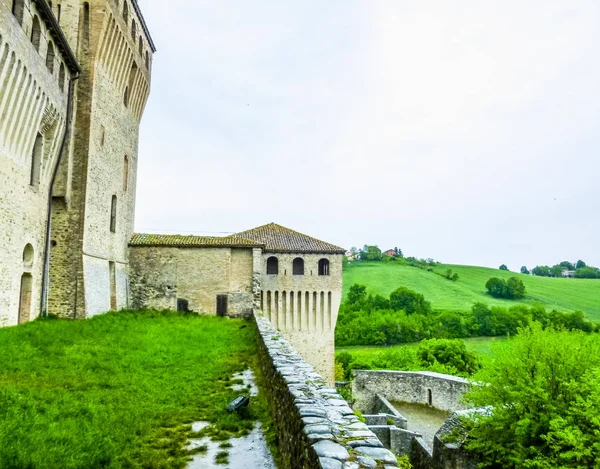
379 454
367 462
328 463
330 449
313 431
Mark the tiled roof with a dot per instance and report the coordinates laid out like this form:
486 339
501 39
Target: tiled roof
277 238
139 239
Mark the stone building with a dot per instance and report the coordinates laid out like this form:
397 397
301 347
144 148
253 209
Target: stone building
296 280
74 80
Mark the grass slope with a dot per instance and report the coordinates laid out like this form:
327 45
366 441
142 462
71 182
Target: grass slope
554 293
119 390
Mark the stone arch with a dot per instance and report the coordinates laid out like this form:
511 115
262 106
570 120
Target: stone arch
28 256
36 33
298 266
272 266
323 267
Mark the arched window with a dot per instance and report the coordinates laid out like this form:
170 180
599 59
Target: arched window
28 256
272 266
129 89
113 214
133 30
125 172
323 267
36 33
298 266
61 77
141 47
18 9
36 161
50 57
125 11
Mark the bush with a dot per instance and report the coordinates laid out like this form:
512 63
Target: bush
543 395
511 289
409 301
452 353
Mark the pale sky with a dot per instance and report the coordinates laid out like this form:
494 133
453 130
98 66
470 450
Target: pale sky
466 131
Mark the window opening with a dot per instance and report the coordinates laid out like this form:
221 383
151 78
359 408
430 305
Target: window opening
323 267
36 161
298 266
36 33
272 266
50 57
113 214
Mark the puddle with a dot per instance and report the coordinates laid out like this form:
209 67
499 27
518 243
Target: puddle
422 419
247 452
248 377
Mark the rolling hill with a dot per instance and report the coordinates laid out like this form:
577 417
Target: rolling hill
554 293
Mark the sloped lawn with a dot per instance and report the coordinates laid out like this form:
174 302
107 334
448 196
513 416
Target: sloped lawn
120 390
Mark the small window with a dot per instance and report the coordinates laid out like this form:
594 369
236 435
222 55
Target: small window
61 77
125 11
125 172
429 397
183 305
113 214
126 97
147 61
298 266
323 267
272 266
28 254
50 57
36 33
141 47
133 30
36 161
18 9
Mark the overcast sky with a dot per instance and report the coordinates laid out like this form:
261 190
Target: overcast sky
465 131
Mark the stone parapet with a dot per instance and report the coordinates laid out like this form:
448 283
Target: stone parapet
317 429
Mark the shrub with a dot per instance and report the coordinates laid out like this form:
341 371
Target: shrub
452 353
409 301
511 289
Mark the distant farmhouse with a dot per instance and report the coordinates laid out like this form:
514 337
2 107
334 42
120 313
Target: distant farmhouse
74 80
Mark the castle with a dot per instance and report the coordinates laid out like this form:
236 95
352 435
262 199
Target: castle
74 80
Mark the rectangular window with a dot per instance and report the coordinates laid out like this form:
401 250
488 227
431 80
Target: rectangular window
113 214
221 305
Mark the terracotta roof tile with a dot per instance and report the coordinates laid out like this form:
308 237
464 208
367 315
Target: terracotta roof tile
140 239
277 238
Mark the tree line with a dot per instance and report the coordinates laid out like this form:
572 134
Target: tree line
579 270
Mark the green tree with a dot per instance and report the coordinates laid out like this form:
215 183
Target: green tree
580 264
409 301
515 289
503 267
556 270
370 253
541 271
356 294
496 287
448 352
542 401
525 270
567 265
587 272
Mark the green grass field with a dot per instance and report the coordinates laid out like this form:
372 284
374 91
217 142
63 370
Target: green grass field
481 345
120 390
554 293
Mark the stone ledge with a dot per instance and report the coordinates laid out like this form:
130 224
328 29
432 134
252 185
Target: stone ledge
317 429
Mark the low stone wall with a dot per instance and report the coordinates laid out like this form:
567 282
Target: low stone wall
317 429
443 392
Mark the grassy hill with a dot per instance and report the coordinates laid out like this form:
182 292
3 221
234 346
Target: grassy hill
554 293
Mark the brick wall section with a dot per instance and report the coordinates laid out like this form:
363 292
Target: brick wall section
31 102
404 386
316 427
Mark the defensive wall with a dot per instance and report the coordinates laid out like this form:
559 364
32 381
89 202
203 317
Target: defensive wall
375 390
36 71
316 427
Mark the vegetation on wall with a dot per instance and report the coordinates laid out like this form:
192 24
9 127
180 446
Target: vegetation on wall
542 401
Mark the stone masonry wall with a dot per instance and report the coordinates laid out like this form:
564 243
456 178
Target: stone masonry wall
33 100
446 391
316 427
160 275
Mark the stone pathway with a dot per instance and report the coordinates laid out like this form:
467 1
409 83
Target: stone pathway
247 452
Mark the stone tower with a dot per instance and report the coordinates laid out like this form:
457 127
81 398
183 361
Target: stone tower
93 201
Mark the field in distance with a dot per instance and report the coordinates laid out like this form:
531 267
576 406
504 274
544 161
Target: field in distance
554 293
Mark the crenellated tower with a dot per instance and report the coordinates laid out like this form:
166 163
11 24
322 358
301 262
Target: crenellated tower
93 201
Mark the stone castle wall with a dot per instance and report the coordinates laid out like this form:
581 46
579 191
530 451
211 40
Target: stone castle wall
90 250
161 275
305 307
33 109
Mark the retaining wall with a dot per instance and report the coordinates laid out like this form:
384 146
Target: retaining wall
317 429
